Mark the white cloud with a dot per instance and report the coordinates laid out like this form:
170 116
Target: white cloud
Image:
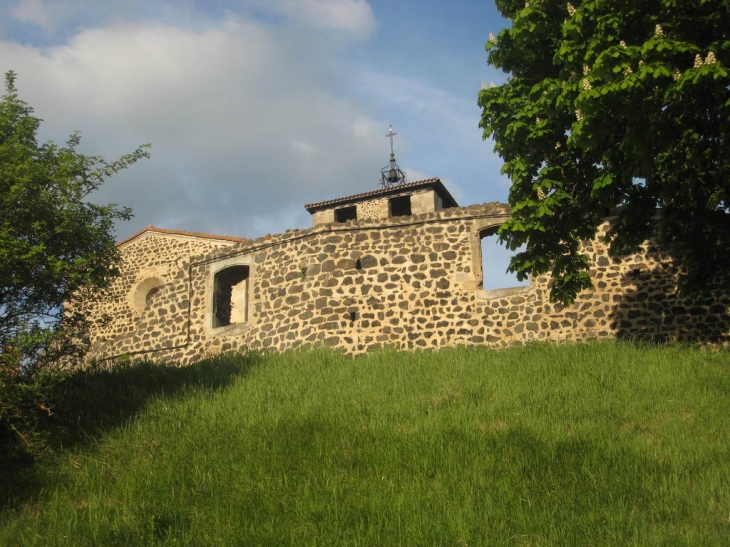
60 19
421 98
353 16
32 11
244 120
444 126
251 113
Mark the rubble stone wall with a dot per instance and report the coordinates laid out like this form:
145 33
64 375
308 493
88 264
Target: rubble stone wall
373 209
143 306
422 201
407 282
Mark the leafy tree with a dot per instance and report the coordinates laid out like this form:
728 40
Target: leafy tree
54 245
613 106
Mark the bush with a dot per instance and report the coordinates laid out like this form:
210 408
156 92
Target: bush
25 403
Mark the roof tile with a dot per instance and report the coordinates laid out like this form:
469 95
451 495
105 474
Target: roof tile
435 182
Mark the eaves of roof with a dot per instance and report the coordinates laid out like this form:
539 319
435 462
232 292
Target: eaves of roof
163 231
434 183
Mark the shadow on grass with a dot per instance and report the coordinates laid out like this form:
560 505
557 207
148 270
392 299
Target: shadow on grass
87 403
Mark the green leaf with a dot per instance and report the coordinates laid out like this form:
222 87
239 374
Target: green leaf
650 115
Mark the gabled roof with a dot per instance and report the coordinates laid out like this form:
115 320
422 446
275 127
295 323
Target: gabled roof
154 229
434 183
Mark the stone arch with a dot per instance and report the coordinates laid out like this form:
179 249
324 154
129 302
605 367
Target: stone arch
144 291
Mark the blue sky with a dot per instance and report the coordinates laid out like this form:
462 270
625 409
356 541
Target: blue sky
256 107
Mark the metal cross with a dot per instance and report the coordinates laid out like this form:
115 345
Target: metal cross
391 134
392 175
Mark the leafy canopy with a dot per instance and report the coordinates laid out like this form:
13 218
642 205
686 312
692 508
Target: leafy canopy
54 245
613 106
54 242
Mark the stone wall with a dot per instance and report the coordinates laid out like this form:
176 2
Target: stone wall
423 201
373 209
141 308
407 282
426 201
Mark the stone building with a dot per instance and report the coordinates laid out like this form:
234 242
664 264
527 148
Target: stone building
400 267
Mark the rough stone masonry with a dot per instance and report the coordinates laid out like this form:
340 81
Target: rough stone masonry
412 281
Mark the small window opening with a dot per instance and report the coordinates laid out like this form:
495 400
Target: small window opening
400 206
230 293
358 264
495 261
346 213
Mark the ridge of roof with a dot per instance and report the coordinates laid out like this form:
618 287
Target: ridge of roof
436 182
155 229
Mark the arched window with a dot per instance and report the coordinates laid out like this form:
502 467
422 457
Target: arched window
230 296
143 294
149 297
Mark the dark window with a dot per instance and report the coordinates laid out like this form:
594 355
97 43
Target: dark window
400 206
230 296
345 214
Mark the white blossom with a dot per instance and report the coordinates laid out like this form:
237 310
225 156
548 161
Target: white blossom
710 59
492 37
558 145
586 70
658 30
579 115
676 75
571 9
698 61
484 85
537 120
622 43
541 194
586 85
628 71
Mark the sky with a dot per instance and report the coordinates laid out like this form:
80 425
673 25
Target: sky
255 108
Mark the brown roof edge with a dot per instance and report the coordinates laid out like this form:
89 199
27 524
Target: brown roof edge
435 183
151 228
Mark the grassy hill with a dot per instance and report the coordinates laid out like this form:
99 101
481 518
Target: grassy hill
597 444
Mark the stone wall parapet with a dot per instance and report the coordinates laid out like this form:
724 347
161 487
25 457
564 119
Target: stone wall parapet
408 282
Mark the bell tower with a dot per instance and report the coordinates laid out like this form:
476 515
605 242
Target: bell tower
391 175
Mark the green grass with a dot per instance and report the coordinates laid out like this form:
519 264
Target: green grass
597 444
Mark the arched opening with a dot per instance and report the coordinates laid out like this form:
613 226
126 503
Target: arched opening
144 293
495 260
230 296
